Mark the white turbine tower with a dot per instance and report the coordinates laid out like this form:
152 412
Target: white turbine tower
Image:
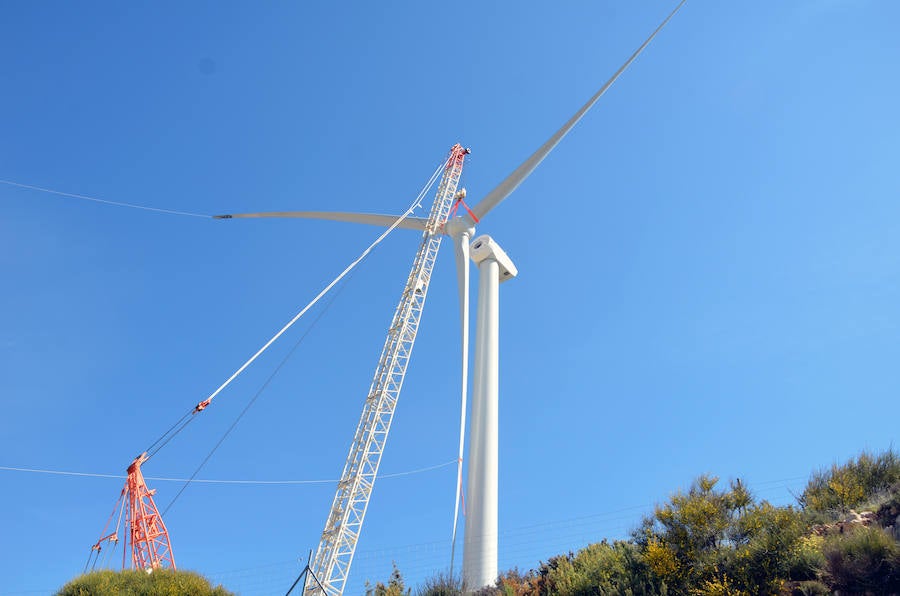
481 530
480 546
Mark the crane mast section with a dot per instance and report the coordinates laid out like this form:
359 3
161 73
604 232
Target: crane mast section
342 528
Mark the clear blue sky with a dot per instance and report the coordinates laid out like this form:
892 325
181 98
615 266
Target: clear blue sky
709 265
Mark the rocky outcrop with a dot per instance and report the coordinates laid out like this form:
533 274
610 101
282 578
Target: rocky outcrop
851 521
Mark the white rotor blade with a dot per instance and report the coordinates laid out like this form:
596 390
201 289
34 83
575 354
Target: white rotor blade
461 244
410 223
505 188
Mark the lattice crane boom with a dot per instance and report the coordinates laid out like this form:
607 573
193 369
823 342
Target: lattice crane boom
338 543
147 539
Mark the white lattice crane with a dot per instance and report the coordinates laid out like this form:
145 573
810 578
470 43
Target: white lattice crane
335 553
331 565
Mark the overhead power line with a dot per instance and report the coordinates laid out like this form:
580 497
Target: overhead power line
104 201
214 481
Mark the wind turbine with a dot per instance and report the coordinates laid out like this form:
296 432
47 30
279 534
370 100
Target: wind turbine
480 544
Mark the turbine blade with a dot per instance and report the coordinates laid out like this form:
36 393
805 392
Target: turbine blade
386 221
505 188
461 245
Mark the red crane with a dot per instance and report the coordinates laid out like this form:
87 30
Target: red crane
147 538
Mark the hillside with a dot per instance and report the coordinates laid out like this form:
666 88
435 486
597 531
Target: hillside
842 537
713 539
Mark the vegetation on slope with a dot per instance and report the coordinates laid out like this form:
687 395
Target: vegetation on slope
842 537
711 540
161 582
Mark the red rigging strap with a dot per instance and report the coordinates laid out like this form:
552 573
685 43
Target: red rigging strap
459 201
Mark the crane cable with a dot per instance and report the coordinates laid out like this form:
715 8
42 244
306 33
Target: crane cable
202 405
252 400
188 417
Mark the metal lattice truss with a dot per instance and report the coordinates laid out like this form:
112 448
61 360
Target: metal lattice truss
335 552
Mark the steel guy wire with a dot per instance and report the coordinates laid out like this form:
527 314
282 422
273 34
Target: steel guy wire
224 481
105 201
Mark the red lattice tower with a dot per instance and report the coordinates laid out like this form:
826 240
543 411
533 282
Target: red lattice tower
148 538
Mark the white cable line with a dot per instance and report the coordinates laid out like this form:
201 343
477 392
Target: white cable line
60 472
91 475
350 267
104 201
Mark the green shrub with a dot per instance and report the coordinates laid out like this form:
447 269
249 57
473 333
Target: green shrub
866 560
888 513
162 582
843 487
810 588
515 583
679 541
599 569
442 584
772 549
394 587
710 541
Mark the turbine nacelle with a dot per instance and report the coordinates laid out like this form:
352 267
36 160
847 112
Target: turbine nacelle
484 247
